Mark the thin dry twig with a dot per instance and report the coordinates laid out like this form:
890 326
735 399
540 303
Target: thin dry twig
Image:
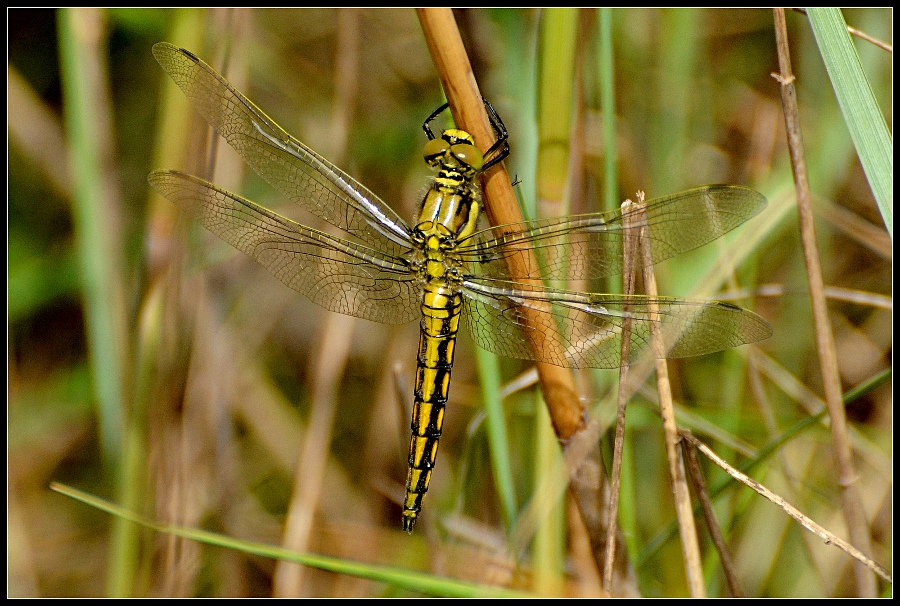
854 512
702 492
860 34
837 293
829 537
629 246
690 545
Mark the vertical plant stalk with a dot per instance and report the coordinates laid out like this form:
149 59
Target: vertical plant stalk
96 214
558 384
629 246
170 145
690 545
548 547
498 438
556 66
89 134
466 105
854 512
606 68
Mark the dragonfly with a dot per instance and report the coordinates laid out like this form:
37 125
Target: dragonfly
443 266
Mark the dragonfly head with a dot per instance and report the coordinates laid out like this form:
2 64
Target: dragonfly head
455 149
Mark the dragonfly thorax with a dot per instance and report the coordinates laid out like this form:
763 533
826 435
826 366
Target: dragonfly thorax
435 260
457 213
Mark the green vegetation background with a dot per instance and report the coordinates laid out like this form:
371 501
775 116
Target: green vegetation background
150 365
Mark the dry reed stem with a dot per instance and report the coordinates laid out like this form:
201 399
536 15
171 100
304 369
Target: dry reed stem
715 532
466 105
629 246
854 512
690 545
580 438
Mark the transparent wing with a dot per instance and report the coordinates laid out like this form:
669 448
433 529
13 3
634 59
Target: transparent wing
341 276
284 162
590 246
584 330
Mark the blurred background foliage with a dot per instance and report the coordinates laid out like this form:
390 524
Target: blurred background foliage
151 365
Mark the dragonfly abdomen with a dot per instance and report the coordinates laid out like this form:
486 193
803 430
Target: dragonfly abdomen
441 307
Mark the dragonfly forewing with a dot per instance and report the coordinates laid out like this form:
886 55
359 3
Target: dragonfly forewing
590 246
339 275
287 164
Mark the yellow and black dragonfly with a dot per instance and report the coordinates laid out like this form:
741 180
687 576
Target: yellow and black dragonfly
444 267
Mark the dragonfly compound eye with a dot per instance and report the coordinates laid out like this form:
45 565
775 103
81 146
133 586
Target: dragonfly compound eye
468 155
434 151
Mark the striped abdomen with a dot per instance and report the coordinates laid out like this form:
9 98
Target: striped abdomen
441 307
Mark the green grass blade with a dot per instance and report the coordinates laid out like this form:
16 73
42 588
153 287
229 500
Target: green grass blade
864 119
606 71
556 64
498 438
517 31
557 48
87 128
406 579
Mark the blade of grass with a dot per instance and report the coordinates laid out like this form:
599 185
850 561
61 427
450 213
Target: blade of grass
676 102
549 550
606 70
557 43
518 32
498 439
518 83
87 113
863 117
88 123
407 579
